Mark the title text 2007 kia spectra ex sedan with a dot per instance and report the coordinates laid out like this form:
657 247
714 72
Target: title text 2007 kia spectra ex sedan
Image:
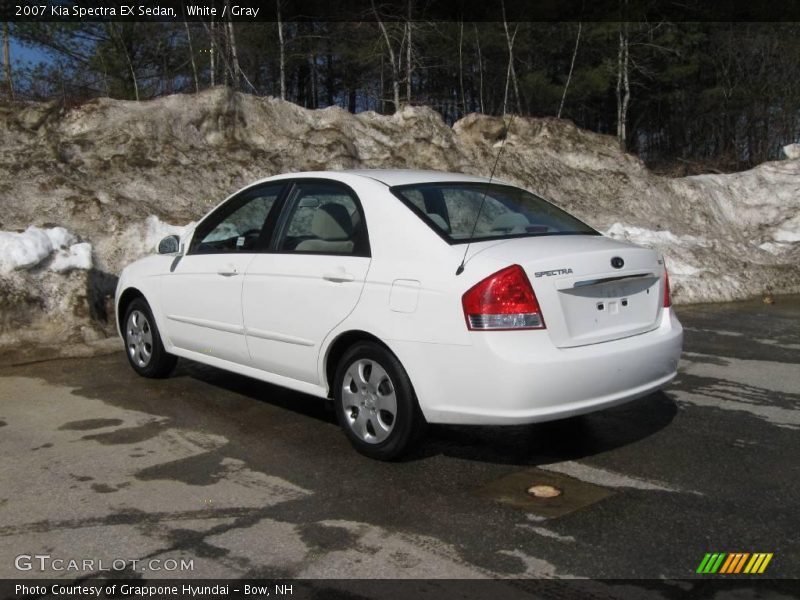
407 297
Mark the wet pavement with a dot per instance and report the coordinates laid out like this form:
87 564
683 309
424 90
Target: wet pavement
246 479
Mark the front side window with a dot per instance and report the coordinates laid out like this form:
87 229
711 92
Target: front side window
324 218
238 225
491 211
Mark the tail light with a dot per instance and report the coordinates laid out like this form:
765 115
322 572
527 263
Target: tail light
504 300
667 299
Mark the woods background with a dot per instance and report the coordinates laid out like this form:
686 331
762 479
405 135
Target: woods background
685 97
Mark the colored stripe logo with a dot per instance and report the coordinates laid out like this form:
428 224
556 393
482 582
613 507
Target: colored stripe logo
734 562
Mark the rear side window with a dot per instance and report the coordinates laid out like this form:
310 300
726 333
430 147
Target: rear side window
493 211
324 218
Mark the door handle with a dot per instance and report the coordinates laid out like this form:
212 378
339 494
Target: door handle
338 276
228 271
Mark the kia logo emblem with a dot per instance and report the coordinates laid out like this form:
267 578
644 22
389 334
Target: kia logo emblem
617 262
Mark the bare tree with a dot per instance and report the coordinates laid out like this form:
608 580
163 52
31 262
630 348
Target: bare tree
212 51
461 66
623 85
312 59
392 59
480 67
282 52
191 54
511 71
571 67
234 54
126 52
409 64
7 62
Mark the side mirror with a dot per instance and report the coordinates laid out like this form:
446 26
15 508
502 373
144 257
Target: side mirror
169 245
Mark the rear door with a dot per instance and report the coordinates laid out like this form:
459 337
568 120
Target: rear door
309 282
201 296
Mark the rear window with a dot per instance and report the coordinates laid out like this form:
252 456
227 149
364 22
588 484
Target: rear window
493 211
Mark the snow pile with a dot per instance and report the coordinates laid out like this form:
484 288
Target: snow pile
678 250
118 174
77 256
792 151
137 239
31 247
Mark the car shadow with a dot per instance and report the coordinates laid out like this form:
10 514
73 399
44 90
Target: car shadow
275 395
554 441
527 445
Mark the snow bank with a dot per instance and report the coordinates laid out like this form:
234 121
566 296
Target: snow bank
120 174
792 151
31 247
77 256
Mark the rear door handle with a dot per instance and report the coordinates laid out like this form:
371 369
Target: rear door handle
338 276
228 271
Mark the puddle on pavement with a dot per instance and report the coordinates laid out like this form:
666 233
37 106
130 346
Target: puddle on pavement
513 490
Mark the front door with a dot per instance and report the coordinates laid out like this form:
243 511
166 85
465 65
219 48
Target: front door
201 297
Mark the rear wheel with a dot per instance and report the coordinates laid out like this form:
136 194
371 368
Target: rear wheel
375 402
143 345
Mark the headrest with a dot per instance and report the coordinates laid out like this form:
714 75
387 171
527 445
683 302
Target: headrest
439 220
332 222
510 221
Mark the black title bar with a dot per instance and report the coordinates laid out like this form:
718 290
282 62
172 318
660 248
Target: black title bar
398 10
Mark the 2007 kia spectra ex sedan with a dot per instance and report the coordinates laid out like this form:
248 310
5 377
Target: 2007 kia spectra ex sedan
407 297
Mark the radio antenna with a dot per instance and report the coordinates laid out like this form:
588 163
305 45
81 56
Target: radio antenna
460 268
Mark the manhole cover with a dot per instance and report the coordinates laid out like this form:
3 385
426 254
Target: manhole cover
544 491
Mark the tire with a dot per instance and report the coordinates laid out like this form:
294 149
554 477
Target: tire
381 386
143 345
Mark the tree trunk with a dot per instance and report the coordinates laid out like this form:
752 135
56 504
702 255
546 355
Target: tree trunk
191 55
234 55
329 83
128 59
409 67
351 100
571 67
461 67
392 60
381 99
313 60
480 68
623 85
225 54
511 72
212 52
282 53
7 62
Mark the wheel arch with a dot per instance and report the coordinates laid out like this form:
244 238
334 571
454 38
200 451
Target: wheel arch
339 346
128 295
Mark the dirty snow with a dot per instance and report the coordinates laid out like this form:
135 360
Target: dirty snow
31 247
792 150
77 256
125 174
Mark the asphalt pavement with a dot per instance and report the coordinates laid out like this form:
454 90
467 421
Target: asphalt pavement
239 478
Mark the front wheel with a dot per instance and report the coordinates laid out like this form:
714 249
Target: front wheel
143 344
375 402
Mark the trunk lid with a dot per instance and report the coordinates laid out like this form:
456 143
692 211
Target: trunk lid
584 298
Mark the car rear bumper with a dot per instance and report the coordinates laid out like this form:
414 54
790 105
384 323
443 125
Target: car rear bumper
510 377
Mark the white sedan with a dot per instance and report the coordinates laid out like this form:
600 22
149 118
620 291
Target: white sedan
406 297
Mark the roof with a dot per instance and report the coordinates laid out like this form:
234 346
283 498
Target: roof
392 177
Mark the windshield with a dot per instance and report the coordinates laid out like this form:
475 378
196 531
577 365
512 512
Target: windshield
452 208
